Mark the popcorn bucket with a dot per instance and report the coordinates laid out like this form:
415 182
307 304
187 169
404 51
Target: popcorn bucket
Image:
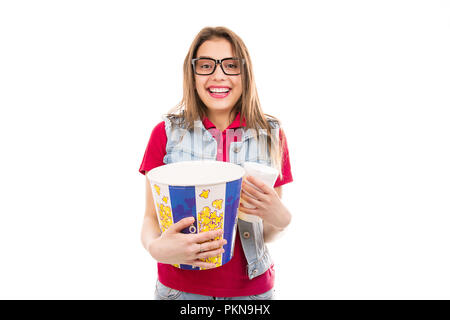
209 191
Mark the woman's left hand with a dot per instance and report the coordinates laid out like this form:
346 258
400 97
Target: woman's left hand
267 202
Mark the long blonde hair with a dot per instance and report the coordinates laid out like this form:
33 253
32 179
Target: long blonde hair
192 107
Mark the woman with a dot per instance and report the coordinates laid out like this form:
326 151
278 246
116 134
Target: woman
219 101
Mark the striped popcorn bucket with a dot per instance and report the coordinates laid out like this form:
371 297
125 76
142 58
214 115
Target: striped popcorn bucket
209 191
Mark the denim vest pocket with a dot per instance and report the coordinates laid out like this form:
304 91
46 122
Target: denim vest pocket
183 145
237 152
182 153
248 151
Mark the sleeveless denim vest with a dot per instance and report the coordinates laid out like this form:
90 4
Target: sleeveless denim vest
200 144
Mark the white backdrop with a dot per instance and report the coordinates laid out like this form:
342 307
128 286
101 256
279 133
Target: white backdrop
362 89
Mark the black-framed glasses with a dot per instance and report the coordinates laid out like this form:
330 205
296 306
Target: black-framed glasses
207 66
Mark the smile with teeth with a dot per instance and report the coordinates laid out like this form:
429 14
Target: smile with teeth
219 92
219 89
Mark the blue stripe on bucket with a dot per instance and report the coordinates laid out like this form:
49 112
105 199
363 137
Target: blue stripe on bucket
232 197
183 206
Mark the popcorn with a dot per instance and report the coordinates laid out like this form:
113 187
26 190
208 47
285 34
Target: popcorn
205 194
165 216
209 220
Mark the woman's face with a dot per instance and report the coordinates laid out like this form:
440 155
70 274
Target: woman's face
218 48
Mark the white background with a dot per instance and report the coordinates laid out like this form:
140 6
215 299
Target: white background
362 89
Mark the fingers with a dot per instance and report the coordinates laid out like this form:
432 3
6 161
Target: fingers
202 264
209 254
250 200
213 245
199 262
253 182
250 189
206 236
249 210
180 225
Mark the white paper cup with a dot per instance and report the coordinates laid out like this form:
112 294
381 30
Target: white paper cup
265 173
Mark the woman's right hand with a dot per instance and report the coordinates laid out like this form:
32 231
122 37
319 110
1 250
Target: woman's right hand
174 247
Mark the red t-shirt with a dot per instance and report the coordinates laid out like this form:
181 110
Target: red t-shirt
231 279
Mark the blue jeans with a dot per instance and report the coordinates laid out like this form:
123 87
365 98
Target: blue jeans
165 293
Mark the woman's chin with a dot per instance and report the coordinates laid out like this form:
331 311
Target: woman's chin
219 108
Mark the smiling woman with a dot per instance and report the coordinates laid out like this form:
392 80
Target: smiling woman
218 91
220 111
220 44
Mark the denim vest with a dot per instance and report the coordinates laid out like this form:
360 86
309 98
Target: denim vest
200 144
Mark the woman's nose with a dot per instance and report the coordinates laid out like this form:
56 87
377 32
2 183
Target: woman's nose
218 73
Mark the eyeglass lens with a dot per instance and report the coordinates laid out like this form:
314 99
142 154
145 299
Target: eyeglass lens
206 66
